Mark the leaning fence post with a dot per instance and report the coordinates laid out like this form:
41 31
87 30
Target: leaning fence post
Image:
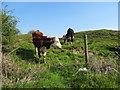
86 50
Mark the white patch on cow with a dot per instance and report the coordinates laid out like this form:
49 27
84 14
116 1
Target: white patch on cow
57 42
43 50
36 50
69 38
40 53
44 54
70 42
73 37
44 35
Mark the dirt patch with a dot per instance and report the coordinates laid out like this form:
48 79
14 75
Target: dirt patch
75 51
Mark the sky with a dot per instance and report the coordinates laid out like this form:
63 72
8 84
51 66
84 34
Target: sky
54 18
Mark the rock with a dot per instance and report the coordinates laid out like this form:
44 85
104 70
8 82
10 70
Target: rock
82 69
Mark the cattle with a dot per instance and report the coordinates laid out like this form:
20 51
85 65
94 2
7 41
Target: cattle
37 34
42 43
69 36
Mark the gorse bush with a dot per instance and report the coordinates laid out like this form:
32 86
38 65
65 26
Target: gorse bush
9 30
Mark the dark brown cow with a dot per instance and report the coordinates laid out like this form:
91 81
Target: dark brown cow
37 34
69 36
42 43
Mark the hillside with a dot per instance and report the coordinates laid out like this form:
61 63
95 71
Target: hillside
21 68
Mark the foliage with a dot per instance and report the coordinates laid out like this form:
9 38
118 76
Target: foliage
9 30
31 31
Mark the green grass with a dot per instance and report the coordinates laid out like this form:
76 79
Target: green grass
62 65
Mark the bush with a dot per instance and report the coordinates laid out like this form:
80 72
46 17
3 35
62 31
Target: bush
9 30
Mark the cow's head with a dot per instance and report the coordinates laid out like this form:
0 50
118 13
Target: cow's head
36 34
57 42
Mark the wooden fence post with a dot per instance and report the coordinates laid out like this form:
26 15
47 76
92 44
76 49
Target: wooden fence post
86 50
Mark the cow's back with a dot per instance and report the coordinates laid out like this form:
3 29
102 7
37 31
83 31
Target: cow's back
42 41
70 32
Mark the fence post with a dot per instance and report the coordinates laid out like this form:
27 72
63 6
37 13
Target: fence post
86 50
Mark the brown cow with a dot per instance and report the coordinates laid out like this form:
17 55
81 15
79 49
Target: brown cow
42 43
37 34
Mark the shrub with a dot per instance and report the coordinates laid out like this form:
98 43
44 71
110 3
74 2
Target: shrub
9 30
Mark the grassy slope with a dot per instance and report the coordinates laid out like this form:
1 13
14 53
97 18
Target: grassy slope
62 64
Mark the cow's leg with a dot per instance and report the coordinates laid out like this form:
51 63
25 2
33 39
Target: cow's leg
44 54
68 40
71 39
39 54
36 51
64 40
